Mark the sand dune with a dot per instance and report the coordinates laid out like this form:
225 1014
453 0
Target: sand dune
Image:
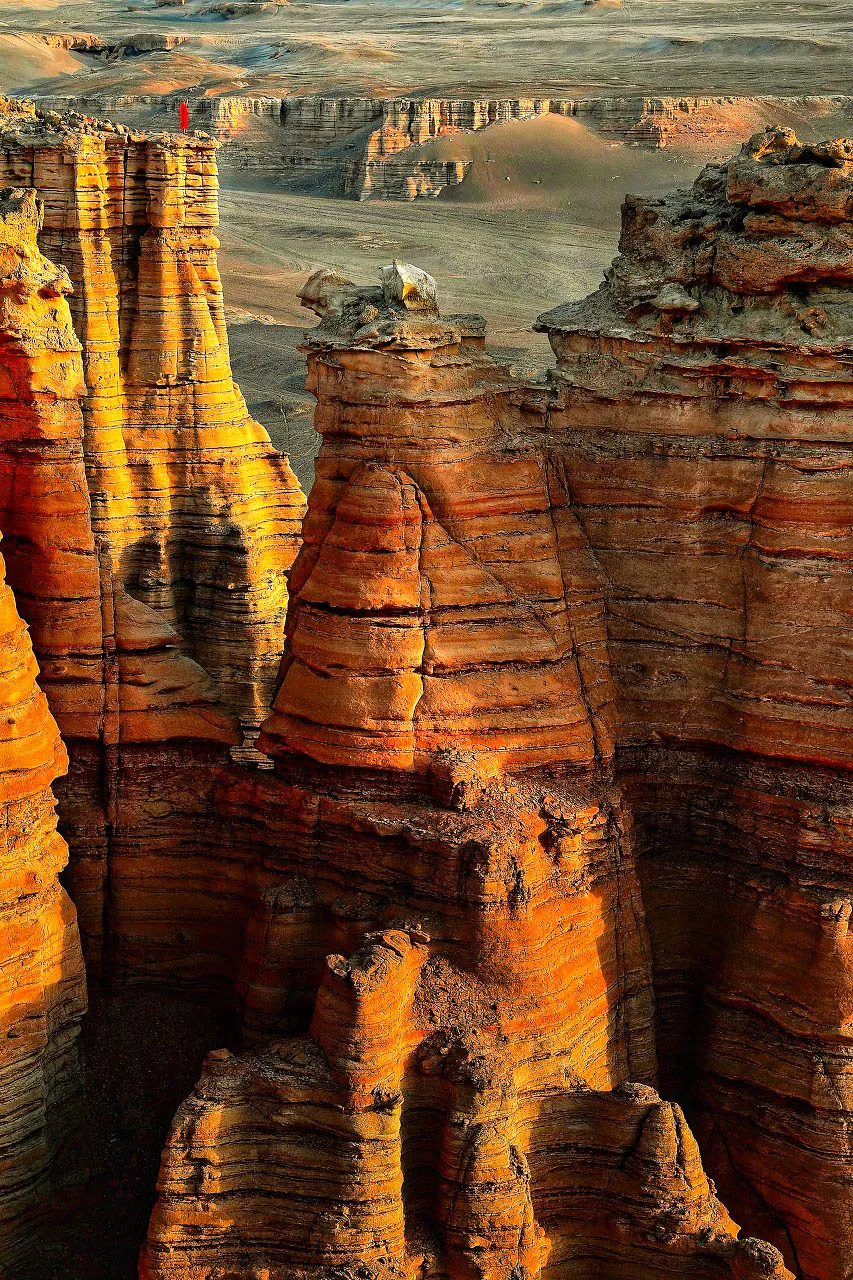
25 61
553 163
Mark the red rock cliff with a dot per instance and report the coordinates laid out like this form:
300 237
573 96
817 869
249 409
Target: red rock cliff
457 938
703 422
42 985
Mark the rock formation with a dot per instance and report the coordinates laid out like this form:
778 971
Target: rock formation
432 610
42 985
703 425
374 148
459 944
539 921
148 537
112 50
197 511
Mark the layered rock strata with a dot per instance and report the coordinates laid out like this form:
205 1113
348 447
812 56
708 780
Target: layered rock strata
457 940
150 524
197 511
703 421
130 703
374 148
441 597
560 809
42 985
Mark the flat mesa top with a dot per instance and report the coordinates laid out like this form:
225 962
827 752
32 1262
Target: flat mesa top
22 122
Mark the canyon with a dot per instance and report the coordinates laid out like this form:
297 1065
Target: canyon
499 796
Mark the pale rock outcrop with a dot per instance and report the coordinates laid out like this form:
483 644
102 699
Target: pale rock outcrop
112 50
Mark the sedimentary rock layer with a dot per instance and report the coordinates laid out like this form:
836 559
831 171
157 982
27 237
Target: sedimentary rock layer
374 147
455 931
150 535
42 985
615 1178
560 733
745 868
703 421
440 594
686 480
458 1106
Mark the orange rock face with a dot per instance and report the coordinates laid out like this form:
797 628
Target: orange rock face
455 938
149 524
723 326
704 417
440 600
42 984
550 881
185 487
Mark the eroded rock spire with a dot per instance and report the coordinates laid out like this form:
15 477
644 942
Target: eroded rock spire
149 522
461 951
441 598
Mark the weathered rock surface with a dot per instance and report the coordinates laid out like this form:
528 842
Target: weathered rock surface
372 148
703 419
42 984
186 488
469 1093
614 1177
149 537
452 1110
552 872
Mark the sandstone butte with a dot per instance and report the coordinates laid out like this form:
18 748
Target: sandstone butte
150 524
540 921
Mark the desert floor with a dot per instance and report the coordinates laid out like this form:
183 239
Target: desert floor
535 223
402 46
